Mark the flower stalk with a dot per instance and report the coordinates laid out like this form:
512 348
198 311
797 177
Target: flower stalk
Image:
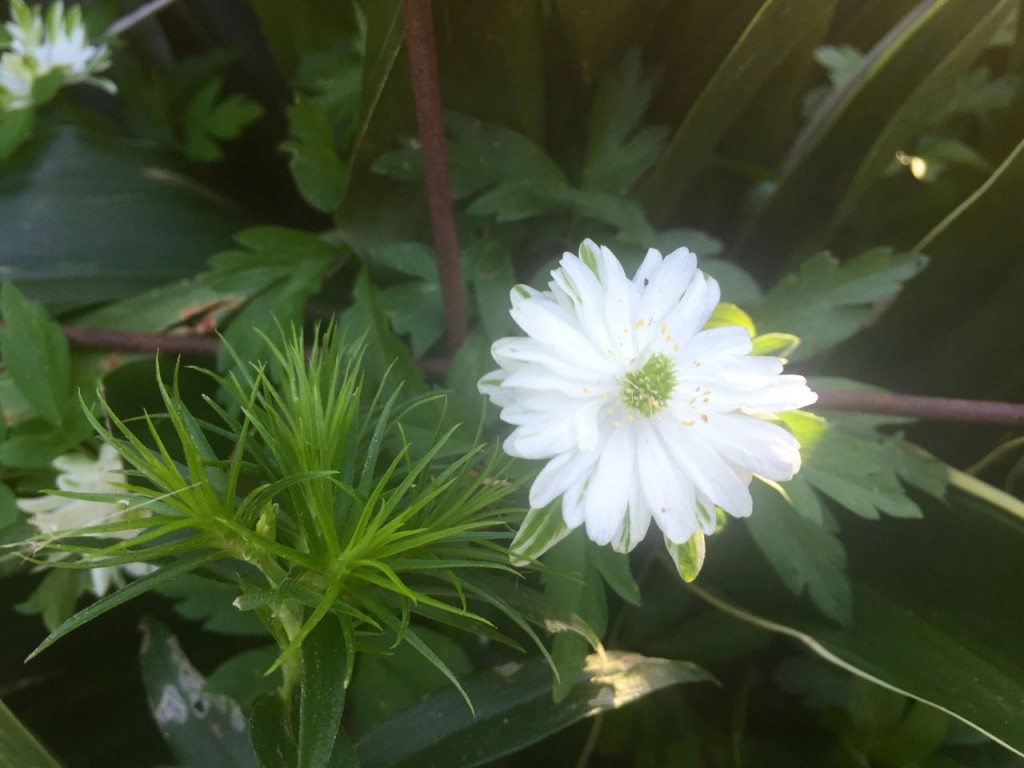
419 38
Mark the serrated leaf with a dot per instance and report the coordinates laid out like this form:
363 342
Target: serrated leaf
211 602
481 156
210 120
513 709
200 728
36 355
320 173
862 473
384 351
806 557
278 273
618 150
826 302
55 597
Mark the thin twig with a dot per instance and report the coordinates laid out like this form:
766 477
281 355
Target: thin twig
140 14
922 407
138 341
893 403
419 38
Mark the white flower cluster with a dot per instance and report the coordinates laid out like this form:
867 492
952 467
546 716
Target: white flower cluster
41 48
640 411
78 473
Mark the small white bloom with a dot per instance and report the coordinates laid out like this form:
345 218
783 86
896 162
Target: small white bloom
78 473
639 411
39 47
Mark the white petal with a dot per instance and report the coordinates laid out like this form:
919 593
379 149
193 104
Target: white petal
666 489
667 284
559 474
709 473
758 446
608 493
686 319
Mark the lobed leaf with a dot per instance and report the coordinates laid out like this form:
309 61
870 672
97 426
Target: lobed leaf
826 302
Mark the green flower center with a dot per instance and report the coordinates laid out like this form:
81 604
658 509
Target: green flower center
648 389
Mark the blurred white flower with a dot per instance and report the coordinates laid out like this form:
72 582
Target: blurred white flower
39 47
637 409
78 473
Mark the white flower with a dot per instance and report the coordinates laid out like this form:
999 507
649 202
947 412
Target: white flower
637 409
40 47
78 473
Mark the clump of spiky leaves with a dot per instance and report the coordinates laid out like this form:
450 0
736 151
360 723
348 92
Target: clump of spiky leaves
323 507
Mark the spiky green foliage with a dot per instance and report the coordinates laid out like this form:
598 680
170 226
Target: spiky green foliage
321 507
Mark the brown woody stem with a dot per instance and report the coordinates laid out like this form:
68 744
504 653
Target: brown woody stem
419 39
917 406
922 406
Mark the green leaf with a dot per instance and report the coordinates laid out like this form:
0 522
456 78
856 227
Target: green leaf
618 150
120 597
513 709
689 556
384 683
931 93
200 728
985 290
8 506
210 120
320 173
778 27
726 314
242 677
18 747
280 270
863 123
861 473
826 302
806 557
574 583
270 730
540 531
55 597
481 156
326 658
36 355
775 344
927 621
90 218
384 351
211 602
15 129
614 569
